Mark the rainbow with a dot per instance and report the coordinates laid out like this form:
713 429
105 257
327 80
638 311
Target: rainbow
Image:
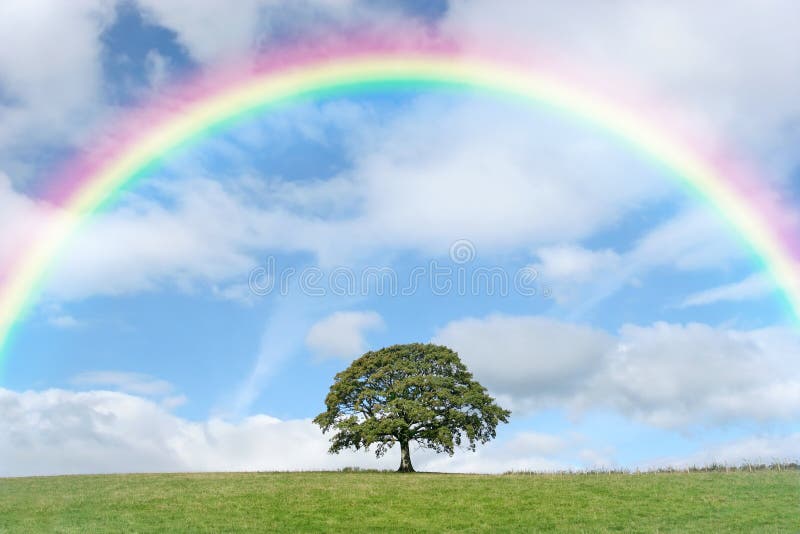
152 132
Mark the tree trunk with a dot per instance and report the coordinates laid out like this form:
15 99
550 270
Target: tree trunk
405 458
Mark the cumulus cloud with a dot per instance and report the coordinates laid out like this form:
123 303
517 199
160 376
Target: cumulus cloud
681 50
343 334
212 32
68 57
462 166
145 245
65 432
57 431
506 186
15 207
468 166
209 28
534 180
527 357
674 375
666 375
575 263
570 269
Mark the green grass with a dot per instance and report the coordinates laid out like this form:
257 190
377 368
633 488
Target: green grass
762 501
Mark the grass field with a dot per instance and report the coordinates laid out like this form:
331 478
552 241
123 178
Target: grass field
762 501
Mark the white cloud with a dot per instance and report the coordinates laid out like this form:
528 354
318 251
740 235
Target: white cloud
61 432
49 44
343 334
513 184
575 263
569 270
16 207
362 212
136 383
666 375
681 50
505 178
66 432
144 246
753 287
213 32
527 357
58 431
677 375
463 166
210 29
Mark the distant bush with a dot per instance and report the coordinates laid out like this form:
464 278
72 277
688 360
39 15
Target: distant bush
363 470
788 465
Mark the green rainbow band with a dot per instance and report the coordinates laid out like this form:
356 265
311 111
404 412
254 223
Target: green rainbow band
751 220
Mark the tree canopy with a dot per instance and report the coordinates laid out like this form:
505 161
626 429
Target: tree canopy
403 393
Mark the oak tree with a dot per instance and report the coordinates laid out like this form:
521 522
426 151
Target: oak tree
419 393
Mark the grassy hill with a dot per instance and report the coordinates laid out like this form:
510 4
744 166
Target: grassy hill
763 501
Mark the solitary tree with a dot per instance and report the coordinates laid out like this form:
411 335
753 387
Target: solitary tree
404 393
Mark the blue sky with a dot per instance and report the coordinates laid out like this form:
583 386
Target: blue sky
644 334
